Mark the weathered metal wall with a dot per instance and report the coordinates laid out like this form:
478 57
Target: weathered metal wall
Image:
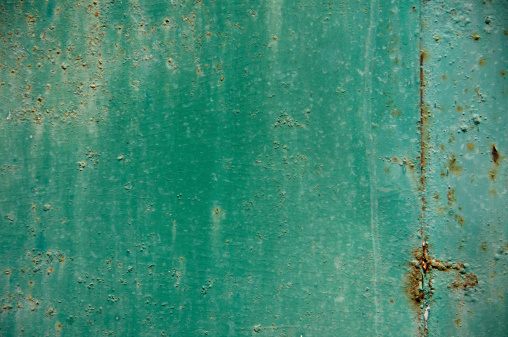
252 168
465 146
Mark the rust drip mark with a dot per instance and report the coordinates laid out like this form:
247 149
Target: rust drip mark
495 155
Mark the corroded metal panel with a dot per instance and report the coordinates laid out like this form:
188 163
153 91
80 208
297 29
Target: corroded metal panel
465 101
248 168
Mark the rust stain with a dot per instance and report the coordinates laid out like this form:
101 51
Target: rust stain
484 246
415 279
453 166
451 197
421 265
460 219
424 136
492 175
465 281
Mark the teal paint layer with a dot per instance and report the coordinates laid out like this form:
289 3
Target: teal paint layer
216 168
465 221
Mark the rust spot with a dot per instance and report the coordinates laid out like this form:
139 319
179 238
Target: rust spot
470 146
465 281
50 311
451 197
475 37
459 108
495 155
453 166
458 321
503 73
492 175
408 164
482 62
396 112
460 219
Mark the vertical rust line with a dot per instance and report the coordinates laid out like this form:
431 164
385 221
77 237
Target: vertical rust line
424 137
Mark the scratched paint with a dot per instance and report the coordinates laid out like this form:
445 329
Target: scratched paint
254 168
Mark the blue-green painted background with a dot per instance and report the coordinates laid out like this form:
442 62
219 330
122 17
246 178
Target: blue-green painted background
251 168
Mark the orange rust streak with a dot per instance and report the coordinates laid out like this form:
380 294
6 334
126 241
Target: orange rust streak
422 136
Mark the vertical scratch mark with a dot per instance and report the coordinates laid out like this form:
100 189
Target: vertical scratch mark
370 46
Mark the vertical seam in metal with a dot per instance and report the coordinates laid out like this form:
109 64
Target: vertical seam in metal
423 139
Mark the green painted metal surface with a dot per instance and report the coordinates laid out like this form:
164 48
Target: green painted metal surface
466 211
188 168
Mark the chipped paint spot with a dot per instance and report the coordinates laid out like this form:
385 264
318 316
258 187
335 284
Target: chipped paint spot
495 155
